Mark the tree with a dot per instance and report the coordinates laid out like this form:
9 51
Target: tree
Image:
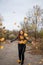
36 18
25 25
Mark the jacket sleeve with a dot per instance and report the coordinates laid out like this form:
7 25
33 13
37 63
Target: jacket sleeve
14 39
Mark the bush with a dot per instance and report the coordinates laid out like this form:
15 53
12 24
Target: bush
12 36
41 33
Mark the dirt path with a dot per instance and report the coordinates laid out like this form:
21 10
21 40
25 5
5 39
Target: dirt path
9 56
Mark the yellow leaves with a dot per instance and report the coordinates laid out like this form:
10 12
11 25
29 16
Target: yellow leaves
29 64
40 62
1 47
25 41
22 42
37 63
36 47
25 34
2 39
18 61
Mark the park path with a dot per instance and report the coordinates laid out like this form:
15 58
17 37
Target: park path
9 56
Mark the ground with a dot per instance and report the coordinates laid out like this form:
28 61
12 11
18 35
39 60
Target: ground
9 56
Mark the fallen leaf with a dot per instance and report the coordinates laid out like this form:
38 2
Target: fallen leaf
29 64
40 62
1 47
36 47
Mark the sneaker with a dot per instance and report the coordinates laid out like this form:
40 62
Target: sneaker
22 63
19 61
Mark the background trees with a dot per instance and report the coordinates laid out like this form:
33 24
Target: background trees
33 22
36 18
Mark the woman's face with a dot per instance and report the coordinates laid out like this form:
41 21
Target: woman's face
21 32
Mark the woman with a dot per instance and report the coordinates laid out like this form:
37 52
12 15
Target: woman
22 39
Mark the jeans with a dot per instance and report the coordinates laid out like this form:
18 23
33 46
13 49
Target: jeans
21 51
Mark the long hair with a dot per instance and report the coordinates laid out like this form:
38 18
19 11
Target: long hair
20 34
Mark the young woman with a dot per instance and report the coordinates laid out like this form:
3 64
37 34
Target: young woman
22 40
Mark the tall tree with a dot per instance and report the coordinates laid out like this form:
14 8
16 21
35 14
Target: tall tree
36 17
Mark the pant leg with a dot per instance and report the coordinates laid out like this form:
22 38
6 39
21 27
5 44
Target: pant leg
19 51
23 58
23 52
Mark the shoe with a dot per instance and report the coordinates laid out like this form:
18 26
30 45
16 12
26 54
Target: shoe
19 61
22 63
